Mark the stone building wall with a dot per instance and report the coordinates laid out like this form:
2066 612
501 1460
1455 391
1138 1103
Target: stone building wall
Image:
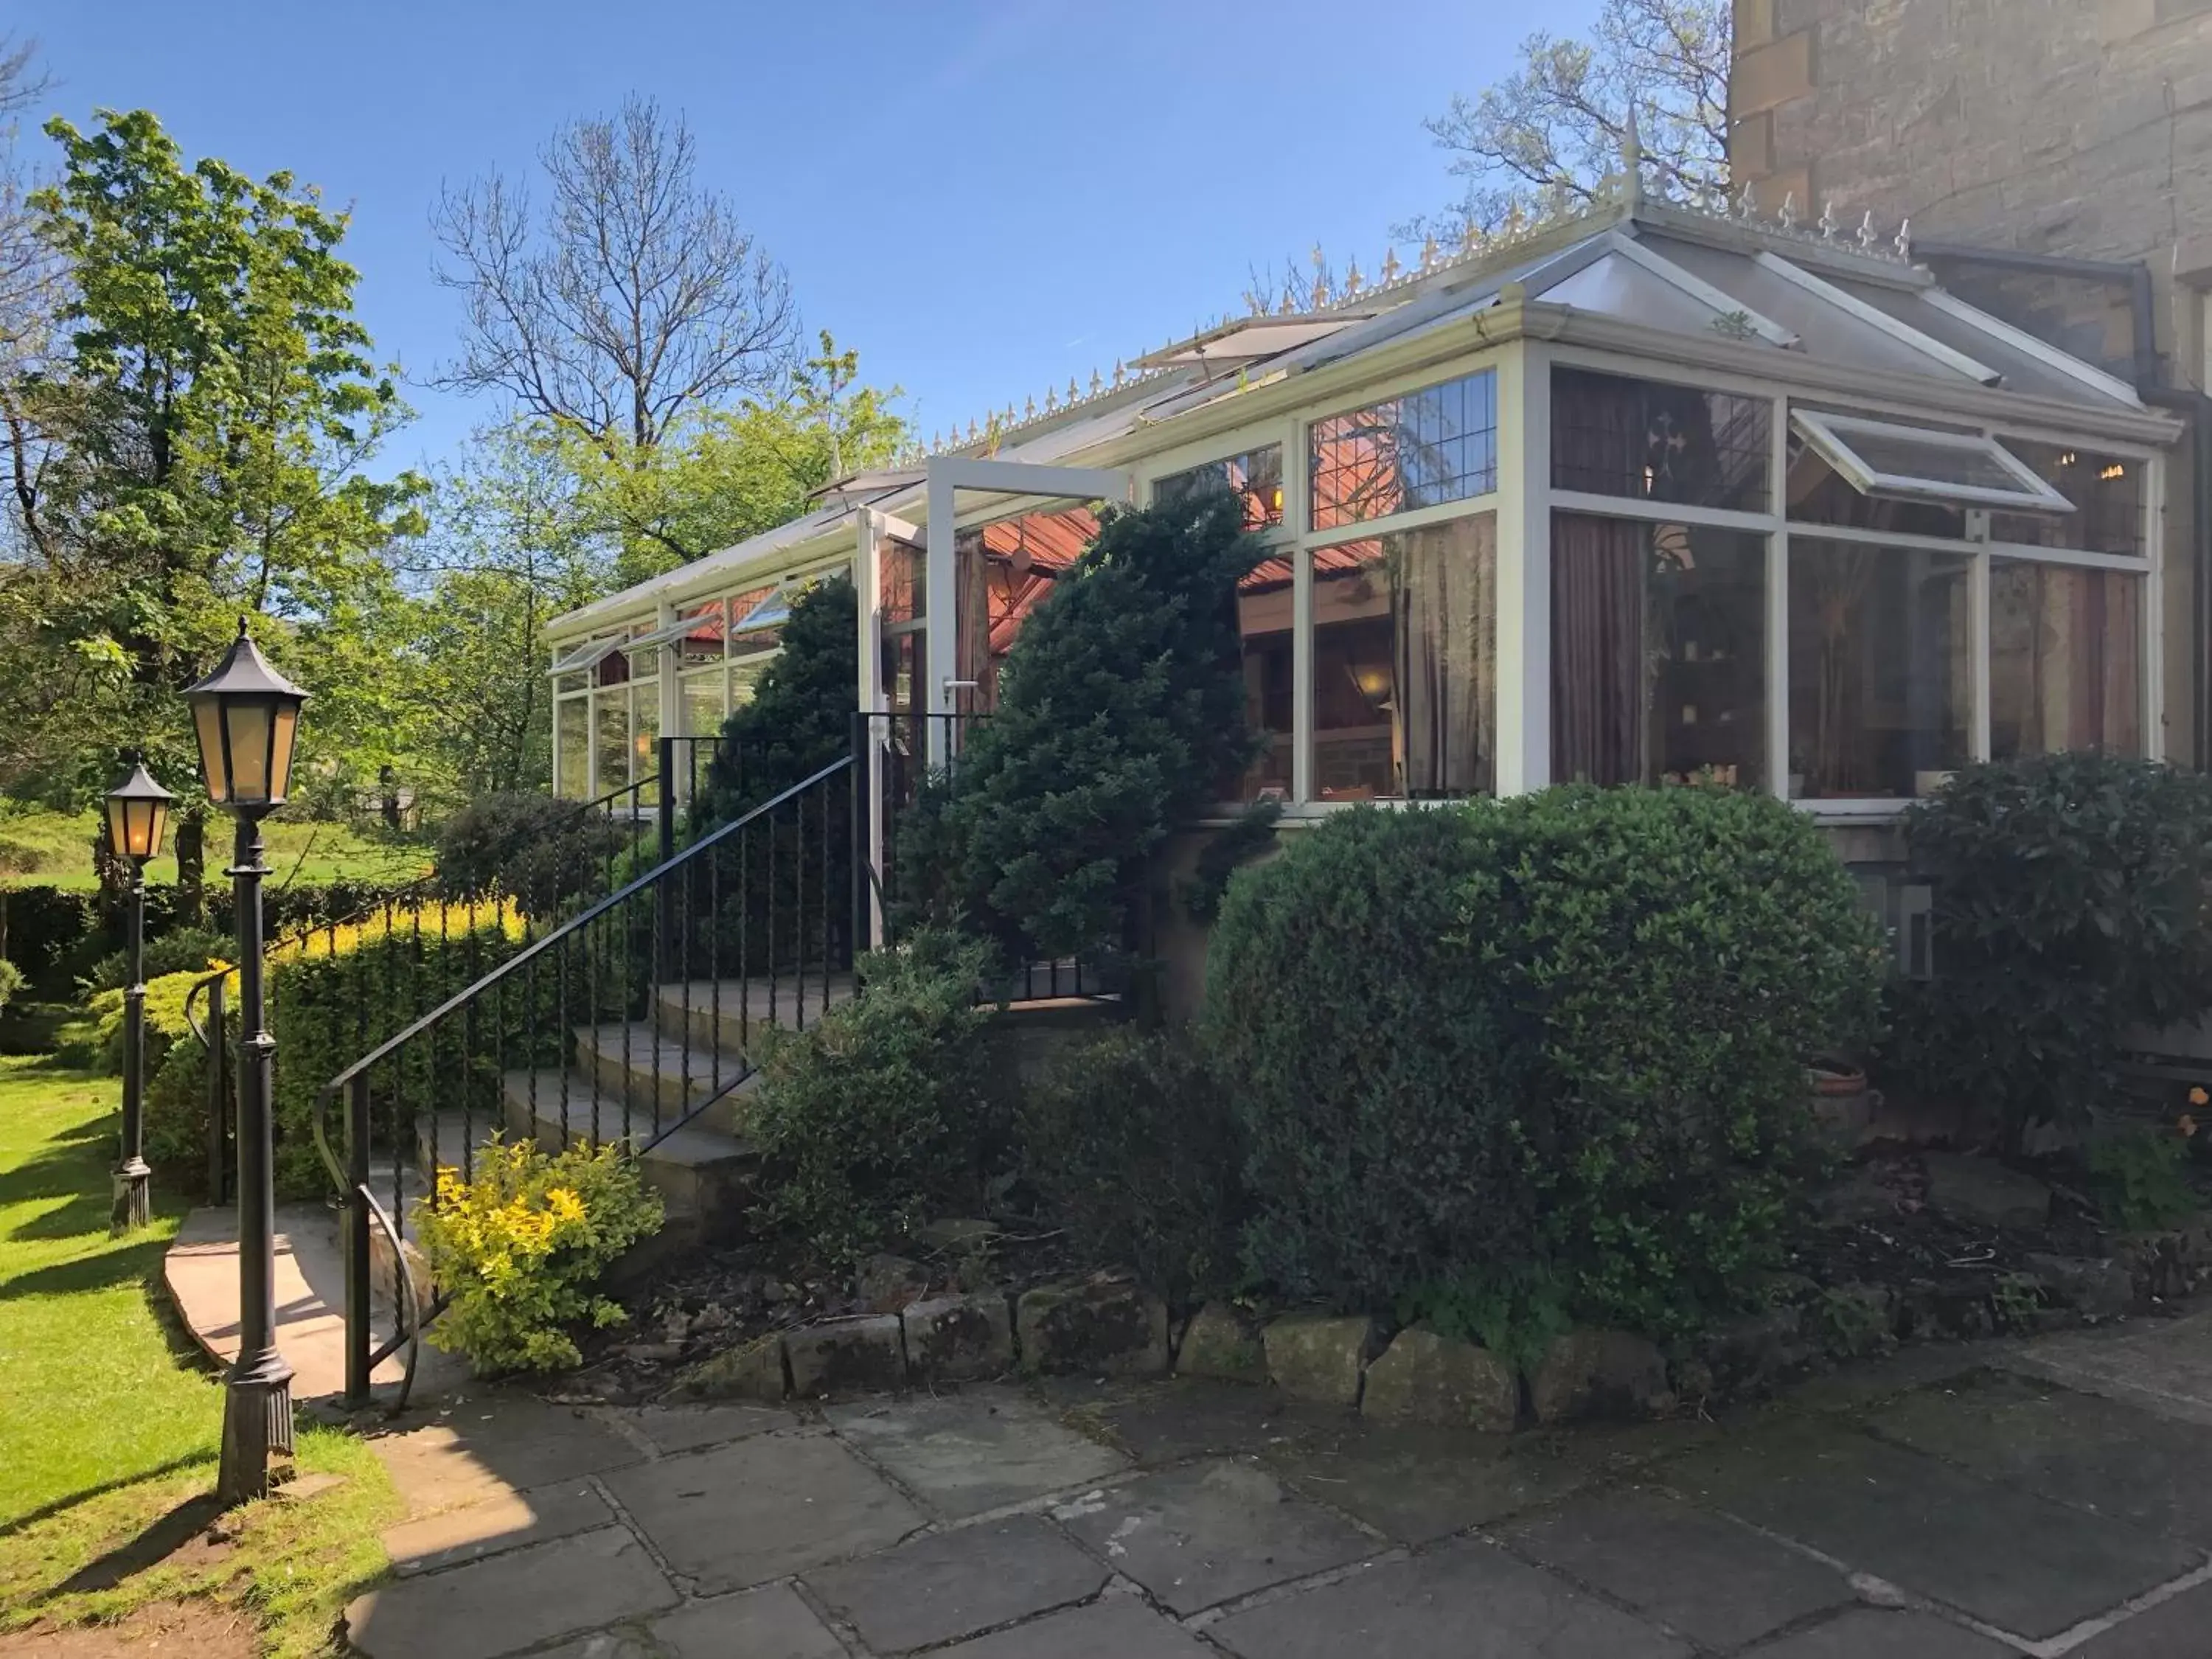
2079 128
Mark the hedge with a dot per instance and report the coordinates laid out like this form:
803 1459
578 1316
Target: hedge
2073 899
1558 1041
334 995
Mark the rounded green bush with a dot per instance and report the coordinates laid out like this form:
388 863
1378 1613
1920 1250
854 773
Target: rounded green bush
2073 899
1670 959
1559 1039
1346 1008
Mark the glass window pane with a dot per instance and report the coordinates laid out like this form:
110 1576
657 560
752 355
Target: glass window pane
703 709
1657 442
1256 475
1405 670
2106 491
1264 600
611 738
744 679
701 642
2065 659
1658 653
1818 494
1003 571
1436 445
645 740
901 592
573 730
1881 669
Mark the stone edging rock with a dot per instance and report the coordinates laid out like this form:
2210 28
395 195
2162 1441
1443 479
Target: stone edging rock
1105 1327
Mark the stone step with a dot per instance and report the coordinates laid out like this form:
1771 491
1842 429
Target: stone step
729 1014
656 1070
701 1170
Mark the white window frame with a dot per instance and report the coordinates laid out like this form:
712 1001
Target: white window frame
1831 435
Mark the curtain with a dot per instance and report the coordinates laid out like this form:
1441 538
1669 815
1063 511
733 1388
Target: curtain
2066 665
1443 673
1597 650
971 571
1600 438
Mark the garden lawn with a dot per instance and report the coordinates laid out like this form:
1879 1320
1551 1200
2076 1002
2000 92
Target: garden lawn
110 1429
53 849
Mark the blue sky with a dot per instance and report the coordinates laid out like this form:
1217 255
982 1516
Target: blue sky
981 197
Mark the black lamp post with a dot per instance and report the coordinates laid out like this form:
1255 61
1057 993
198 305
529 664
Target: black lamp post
245 715
137 813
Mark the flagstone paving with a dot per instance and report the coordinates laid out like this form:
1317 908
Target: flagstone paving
2051 1499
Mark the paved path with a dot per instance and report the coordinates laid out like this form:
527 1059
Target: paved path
201 1269
2053 1498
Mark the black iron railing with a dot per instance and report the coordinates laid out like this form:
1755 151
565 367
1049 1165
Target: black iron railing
416 926
628 1021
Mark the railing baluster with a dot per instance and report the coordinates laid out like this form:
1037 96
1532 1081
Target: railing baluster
714 948
824 826
770 918
745 942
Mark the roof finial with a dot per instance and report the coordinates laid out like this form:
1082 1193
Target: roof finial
1352 279
1828 220
1390 266
1285 306
1428 253
1632 159
1120 374
1096 385
1904 240
1029 409
1787 217
973 429
1051 398
1866 233
1470 239
1747 204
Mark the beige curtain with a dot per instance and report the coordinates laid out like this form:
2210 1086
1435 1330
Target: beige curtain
1445 600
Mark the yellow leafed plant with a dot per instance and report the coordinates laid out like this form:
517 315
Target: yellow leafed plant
520 1249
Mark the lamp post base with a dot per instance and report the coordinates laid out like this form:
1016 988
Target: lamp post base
256 1428
133 1208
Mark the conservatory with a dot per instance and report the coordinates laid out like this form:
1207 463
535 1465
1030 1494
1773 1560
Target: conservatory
1661 494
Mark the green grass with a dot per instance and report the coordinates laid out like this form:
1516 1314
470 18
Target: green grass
50 848
111 1425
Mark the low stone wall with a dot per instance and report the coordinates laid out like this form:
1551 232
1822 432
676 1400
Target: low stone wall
1109 1327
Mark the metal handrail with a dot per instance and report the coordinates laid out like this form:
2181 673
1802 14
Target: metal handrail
574 924
353 1189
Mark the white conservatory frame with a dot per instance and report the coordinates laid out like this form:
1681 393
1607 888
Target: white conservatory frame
1520 341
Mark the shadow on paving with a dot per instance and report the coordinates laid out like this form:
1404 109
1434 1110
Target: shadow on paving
1080 1519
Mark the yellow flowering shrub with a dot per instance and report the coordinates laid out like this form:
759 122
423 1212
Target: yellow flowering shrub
521 1249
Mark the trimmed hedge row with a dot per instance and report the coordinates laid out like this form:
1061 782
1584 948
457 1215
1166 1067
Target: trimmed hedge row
58 935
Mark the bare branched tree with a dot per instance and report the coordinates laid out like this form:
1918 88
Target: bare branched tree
635 297
30 282
1540 142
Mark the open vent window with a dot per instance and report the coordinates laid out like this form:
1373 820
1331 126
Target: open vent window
588 656
1884 458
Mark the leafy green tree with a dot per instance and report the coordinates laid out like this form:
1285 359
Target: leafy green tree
1120 715
472 706
210 412
718 476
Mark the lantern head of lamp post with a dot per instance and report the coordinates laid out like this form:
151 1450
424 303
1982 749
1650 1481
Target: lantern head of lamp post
137 817
247 717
